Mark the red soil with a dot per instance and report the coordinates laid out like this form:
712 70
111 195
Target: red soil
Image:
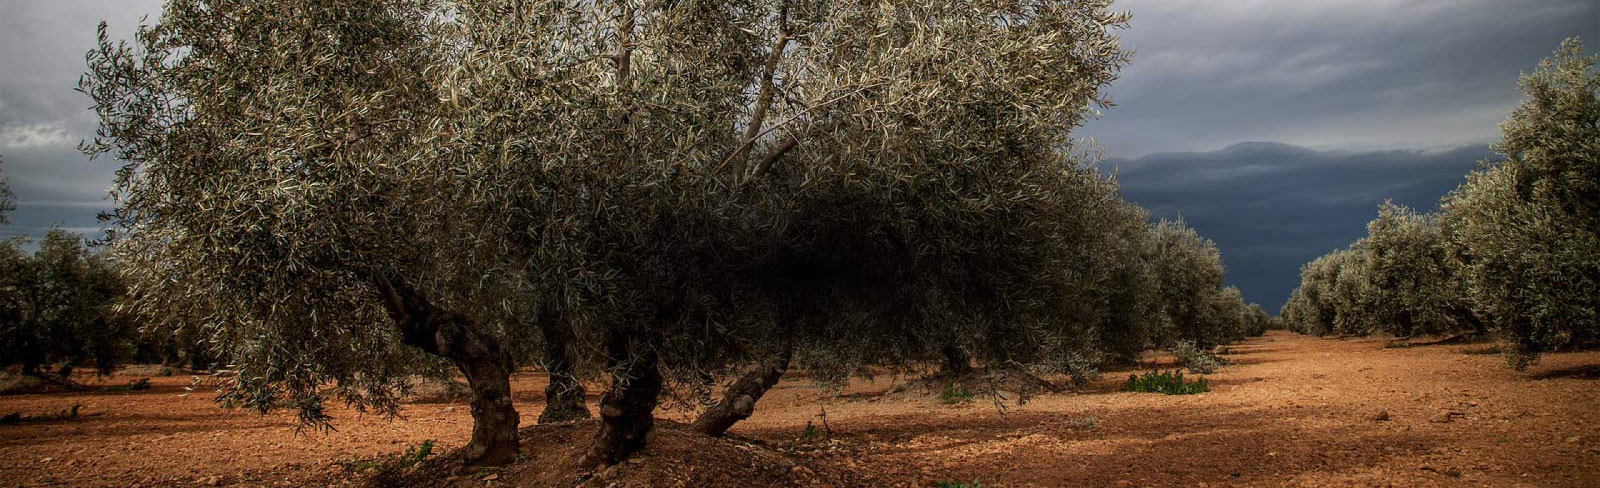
1292 411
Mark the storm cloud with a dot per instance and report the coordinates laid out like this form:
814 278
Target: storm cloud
1328 74
1271 206
42 119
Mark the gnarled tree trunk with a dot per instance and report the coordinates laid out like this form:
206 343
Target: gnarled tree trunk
739 401
627 408
957 362
480 356
564 396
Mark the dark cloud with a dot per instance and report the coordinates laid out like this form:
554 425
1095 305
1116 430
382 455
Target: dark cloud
42 46
1271 207
1328 74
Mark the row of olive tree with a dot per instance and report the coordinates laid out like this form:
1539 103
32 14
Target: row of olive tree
337 194
56 309
1516 248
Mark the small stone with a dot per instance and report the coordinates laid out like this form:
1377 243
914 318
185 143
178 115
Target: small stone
1382 416
802 471
214 481
1122 483
1574 439
491 477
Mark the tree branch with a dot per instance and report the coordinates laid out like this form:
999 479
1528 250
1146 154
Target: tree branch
764 98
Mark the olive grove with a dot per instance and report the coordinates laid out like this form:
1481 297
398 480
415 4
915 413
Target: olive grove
336 195
1514 249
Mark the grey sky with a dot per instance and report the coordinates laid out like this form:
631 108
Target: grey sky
42 43
1328 74
1393 98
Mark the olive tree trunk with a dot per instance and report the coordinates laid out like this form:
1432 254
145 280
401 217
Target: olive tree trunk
957 362
627 408
739 401
480 356
564 396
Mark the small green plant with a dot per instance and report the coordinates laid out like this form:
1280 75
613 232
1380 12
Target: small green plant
394 463
1167 382
953 395
416 454
1195 359
811 433
958 484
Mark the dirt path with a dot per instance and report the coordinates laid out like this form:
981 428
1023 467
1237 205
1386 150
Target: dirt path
1292 411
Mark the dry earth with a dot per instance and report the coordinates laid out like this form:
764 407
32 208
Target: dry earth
1291 411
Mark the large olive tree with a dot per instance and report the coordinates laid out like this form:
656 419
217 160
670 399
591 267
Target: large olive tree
671 187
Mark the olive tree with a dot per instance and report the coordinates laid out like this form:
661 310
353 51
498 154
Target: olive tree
272 196
57 308
1416 285
1527 229
331 188
767 182
1321 305
1190 270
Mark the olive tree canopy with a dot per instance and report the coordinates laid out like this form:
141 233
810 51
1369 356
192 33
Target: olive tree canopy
1527 229
330 187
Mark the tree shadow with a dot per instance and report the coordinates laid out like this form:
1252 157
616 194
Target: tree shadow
1052 449
1583 372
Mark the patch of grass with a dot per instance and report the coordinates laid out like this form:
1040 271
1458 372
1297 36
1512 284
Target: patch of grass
1166 382
958 484
953 395
1483 351
18 417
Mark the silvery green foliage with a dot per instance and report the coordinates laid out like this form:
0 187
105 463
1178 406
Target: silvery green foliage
1352 291
1256 320
1190 270
1515 248
1131 289
713 180
1195 359
1527 229
270 172
1328 298
1415 284
868 181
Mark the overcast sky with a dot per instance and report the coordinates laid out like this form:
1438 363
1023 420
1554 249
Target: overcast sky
1341 103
